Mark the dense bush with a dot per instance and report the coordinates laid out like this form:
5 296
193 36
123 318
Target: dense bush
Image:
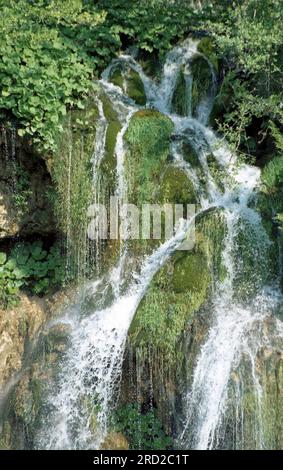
143 430
31 267
247 36
41 71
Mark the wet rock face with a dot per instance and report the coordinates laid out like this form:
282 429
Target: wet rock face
24 185
25 405
115 441
255 404
20 325
16 326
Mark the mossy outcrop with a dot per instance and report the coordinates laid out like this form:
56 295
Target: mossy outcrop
151 176
148 138
195 81
176 187
115 441
108 163
181 100
202 81
161 337
178 290
189 153
130 82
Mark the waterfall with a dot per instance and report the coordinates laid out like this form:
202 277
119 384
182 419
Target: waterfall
87 388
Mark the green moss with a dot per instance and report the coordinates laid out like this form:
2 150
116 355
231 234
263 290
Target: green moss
108 163
130 82
190 155
201 81
175 187
5 439
27 401
178 291
257 264
165 310
117 77
218 173
148 147
262 417
190 273
180 104
114 127
273 403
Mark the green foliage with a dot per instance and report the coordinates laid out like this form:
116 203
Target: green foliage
247 36
248 33
143 431
49 54
41 71
272 176
31 267
152 24
10 281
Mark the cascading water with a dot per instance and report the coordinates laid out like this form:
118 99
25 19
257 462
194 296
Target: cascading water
88 385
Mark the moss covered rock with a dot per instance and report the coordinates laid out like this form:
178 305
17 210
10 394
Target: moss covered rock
202 81
169 324
108 163
189 153
148 141
130 82
176 187
254 419
178 290
181 100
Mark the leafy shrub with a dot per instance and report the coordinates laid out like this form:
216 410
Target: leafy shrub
11 279
31 267
41 72
143 431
